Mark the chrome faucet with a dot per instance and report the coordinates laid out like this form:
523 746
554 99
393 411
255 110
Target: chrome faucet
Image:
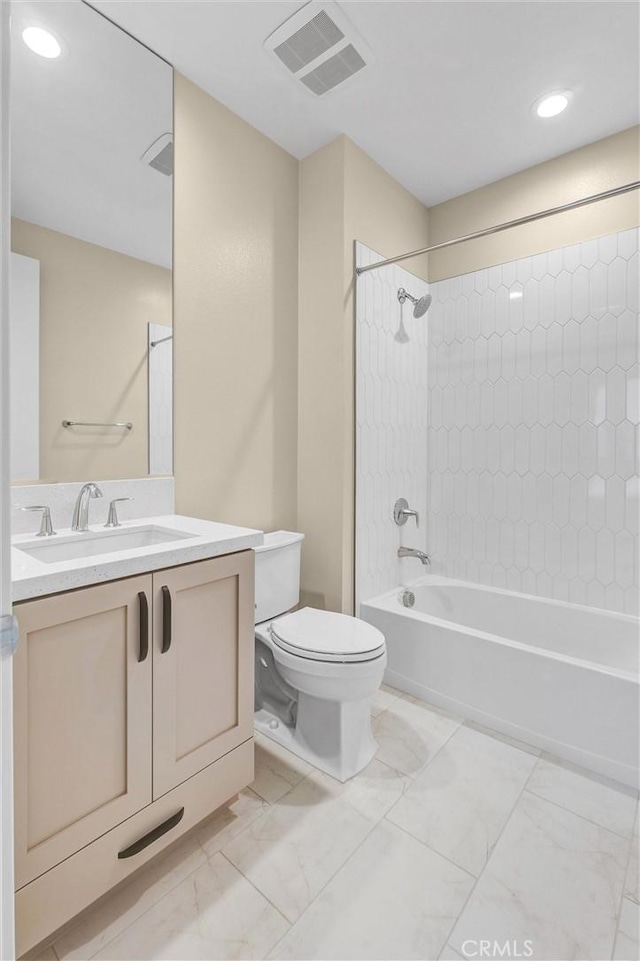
46 527
112 519
414 552
402 512
80 520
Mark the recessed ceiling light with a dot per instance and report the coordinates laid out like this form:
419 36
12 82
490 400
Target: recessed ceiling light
41 42
552 104
515 295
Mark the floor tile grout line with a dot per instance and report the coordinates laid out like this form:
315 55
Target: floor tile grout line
622 896
582 817
616 933
277 800
262 895
433 850
292 786
251 821
376 824
414 777
206 861
270 805
385 817
325 885
342 866
524 790
258 796
329 880
155 904
493 848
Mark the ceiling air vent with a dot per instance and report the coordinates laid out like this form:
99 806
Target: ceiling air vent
319 46
334 71
307 43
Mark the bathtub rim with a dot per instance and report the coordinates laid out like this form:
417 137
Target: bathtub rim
385 602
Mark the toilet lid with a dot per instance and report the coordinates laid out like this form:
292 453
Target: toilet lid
326 636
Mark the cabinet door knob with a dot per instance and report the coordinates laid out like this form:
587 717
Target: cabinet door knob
152 836
166 620
144 626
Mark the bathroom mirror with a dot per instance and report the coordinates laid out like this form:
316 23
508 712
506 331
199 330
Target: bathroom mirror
91 241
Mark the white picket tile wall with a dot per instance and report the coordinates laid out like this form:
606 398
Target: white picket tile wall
533 416
532 421
391 423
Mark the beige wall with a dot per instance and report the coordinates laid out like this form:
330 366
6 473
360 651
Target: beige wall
323 376
598 166
95 305
344 196
343 193
235 310
265 382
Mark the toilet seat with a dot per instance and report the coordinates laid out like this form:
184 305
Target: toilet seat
327 636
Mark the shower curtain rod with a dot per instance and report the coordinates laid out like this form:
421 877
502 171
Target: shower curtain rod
154 343
530 218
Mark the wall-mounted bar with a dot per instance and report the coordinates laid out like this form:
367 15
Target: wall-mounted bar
86 423
519 222
154 343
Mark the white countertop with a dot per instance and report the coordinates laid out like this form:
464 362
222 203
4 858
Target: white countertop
33 578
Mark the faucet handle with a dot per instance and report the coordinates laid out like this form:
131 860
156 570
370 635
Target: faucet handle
402 512
112 519
46 527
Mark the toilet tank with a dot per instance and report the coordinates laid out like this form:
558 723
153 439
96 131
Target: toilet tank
277 574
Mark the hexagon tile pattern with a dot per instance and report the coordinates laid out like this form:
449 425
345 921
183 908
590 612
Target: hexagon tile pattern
391 423
533 410
160 401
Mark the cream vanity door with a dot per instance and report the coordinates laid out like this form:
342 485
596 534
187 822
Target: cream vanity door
82 721
202 665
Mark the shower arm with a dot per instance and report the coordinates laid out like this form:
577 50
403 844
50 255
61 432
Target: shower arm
405 295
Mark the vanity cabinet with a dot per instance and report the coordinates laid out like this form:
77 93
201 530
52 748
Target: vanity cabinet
82 710
133 704
202 666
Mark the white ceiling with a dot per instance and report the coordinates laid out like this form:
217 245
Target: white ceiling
445 107
80 125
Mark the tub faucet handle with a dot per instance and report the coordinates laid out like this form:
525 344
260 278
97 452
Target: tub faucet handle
402 512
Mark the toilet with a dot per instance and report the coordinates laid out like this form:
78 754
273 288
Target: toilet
315 671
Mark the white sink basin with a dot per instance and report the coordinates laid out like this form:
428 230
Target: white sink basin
72 547
49 565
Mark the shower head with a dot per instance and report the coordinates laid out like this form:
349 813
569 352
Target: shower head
420 304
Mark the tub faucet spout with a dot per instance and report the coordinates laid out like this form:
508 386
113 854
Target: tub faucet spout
414 552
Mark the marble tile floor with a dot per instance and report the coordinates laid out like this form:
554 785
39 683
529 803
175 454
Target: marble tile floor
450 837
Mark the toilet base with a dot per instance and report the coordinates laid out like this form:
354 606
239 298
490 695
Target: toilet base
334 736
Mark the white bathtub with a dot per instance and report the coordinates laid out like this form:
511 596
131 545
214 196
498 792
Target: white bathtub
559 676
